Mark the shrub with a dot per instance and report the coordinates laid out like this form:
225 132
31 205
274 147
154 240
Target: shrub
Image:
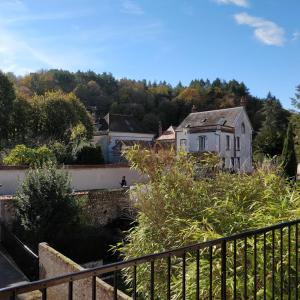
175 210
24 156
90 155
62 153
45 206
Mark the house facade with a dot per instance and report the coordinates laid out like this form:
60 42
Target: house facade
227 132
113 131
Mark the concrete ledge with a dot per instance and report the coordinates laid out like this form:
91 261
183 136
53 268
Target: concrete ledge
52 263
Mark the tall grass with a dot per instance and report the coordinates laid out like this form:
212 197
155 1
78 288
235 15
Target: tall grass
176 210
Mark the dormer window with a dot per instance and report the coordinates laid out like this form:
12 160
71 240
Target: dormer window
222 121
243 129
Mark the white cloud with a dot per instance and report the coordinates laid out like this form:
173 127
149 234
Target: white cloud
296 36
132 8
265 31
242 3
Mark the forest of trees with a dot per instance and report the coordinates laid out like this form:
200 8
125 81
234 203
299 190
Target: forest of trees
44 107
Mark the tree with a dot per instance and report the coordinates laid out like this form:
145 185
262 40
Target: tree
90 154
289 160
270 137
295 120
56 113
45 206
21 123
296 99
7 97
24 156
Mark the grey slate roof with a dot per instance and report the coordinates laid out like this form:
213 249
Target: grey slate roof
223 117
121 123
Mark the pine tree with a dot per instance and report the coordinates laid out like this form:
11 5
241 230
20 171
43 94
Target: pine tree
270 137
289 160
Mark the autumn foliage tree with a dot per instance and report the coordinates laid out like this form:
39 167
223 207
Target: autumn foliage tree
7 97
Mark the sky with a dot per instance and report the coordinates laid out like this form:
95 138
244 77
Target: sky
254 41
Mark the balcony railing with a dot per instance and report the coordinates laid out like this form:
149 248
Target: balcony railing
256 264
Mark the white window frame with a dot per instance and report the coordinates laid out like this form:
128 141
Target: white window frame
243 128
227 142
183 143
202 142
232 163
238 143
238 163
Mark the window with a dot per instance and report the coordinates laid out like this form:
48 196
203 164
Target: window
227 142
232 162
202 143
243 129
238 163
183 144
237 143
223 163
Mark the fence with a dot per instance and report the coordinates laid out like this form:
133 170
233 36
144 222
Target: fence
261 263
26 260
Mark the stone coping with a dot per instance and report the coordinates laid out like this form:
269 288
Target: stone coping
102 166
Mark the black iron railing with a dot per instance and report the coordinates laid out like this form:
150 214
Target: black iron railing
24 257
257 264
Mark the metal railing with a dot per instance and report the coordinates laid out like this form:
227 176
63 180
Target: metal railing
261 263
23 256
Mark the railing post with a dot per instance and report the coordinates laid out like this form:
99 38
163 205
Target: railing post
223 270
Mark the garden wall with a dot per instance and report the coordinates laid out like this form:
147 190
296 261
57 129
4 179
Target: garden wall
90 177
102 207
7 210
52 263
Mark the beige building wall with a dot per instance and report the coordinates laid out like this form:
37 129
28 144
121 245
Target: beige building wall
52 263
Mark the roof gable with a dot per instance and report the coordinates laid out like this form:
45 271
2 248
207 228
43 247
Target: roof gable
168 134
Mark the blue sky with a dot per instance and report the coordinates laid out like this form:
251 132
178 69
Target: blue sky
255 41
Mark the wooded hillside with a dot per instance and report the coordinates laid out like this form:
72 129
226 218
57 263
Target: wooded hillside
150 102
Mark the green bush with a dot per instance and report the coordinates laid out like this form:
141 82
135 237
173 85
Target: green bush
45 206
175 210
90 155
62 153
24 156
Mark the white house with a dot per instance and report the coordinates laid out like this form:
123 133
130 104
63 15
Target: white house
113 131
227 132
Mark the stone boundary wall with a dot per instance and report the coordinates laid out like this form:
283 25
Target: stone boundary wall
7 210
102 207
105 206
52 263
83 178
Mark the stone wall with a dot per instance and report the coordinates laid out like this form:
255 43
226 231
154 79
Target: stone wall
102 207
52 263
7 210
105 206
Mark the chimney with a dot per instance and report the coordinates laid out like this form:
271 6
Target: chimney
159 128
194 108
244 101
